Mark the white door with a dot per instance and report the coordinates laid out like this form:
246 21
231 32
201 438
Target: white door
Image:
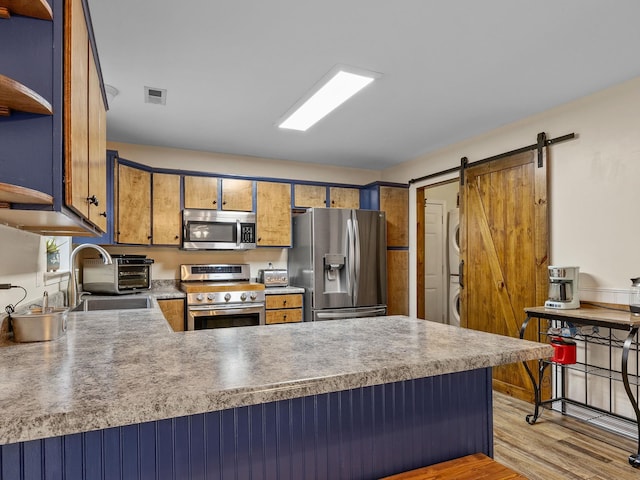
435 275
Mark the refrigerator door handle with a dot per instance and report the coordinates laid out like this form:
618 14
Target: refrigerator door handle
374 312
356 269
350 274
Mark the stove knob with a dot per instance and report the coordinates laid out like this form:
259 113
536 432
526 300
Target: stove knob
200 297
227 297
243 297
211 297
253 296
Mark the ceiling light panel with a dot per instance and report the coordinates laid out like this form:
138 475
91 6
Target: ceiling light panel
331 92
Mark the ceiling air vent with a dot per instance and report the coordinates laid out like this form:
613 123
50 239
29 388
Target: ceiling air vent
155 95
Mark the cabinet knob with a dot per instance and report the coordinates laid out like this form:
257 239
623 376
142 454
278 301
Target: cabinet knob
224 203
103 214
149 237
93 200
284 302
176 237
214 202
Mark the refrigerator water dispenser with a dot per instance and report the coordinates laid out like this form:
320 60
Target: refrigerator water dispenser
335 273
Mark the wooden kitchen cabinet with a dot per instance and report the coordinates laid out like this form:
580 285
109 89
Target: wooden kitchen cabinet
273 214
173 310
237 195
85 123
393 199
308 196
200 192
397 282
343 197
283 308
394 202
203 192
133 198
166 215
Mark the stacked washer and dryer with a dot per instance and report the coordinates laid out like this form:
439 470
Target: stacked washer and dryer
453 240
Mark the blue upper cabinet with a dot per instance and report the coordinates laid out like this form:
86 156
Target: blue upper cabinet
26 136
42 172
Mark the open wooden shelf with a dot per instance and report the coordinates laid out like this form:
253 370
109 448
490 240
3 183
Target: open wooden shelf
16 194
28 8
16 96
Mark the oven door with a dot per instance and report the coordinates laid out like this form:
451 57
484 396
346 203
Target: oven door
224 316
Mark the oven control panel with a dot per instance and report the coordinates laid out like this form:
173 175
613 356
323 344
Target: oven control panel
221 298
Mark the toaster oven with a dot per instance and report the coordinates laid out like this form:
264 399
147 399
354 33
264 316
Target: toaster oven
273 277
127 274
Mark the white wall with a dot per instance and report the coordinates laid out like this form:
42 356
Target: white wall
593 189
161 157
167 260
23 262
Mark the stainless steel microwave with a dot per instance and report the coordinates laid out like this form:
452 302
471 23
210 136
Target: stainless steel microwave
218 230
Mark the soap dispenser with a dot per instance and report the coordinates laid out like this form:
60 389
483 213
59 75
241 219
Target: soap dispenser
634 297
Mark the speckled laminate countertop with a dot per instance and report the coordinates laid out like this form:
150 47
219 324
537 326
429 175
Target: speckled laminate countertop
116 368
283 290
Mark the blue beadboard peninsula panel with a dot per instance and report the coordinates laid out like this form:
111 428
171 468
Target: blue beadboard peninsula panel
362 433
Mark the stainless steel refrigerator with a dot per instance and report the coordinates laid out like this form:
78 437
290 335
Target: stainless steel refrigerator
340 257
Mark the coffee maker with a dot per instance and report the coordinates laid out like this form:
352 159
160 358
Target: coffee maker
563 288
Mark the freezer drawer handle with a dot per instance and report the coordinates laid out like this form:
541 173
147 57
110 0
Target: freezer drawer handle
337 315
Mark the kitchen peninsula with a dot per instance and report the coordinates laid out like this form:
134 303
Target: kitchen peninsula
122 396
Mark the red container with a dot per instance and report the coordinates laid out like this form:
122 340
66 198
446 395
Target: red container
564 351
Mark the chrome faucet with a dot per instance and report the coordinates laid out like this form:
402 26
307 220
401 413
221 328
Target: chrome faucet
73 296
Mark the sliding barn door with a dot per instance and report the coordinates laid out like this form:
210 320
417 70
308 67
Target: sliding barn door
504 245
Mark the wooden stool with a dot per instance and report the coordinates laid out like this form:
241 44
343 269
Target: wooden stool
472 467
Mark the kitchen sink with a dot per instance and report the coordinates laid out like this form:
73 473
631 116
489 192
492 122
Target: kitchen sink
116 303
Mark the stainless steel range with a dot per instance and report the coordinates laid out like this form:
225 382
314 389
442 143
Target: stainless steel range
221 295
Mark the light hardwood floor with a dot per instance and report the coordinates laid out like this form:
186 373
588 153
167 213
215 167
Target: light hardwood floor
557 447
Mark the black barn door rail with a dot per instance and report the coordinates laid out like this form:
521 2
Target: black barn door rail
542 141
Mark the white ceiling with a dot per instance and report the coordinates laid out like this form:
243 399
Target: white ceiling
451 69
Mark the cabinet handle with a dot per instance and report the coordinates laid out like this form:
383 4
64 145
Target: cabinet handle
103 214
93 200
284 302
